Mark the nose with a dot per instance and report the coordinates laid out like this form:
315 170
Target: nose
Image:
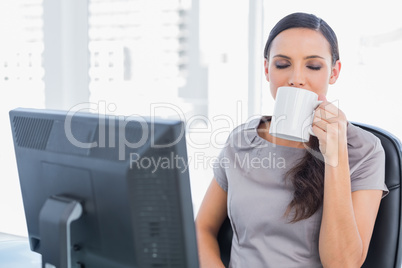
297 78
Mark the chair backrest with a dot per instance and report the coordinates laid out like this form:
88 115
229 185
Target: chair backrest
385 246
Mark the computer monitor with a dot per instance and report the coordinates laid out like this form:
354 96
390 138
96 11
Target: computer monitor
105 191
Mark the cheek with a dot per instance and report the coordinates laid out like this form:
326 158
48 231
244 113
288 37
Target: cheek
319 77
273 85
276 79
273 90
320 84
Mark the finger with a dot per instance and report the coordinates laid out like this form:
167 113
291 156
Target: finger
319 132
322 114
331 109
319 123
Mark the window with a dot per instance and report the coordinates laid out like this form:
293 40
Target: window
21 84
137 53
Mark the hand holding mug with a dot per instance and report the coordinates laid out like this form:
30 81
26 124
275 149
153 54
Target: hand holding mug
330 127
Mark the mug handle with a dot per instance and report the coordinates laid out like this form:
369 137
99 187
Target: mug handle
310 129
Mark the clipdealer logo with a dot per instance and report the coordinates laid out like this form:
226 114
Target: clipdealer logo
158 163
103 112
194 125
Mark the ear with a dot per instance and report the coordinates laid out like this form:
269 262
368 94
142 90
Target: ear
335 72
266 65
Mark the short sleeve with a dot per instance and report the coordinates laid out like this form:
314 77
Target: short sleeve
219 169
369 173
223 166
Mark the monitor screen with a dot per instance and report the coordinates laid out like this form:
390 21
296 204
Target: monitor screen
104 190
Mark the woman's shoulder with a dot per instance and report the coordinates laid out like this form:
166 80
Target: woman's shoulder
251 124
366 160
359 138
363 145
245 133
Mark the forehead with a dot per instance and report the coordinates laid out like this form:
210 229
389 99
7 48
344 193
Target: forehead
303 41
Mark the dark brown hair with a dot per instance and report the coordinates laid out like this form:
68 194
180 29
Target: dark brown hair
303 20
307 176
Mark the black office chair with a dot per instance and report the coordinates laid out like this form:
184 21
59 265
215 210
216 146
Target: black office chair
385 246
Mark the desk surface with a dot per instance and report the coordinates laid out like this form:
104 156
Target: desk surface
15 253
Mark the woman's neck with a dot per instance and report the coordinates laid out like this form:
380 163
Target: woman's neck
263 132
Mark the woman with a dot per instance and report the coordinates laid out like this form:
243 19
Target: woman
307 211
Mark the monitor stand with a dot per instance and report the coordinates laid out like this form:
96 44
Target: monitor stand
55 219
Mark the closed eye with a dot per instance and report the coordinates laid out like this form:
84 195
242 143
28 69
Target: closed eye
282 66
315 68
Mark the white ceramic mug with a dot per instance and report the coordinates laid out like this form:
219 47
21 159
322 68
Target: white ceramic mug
293 114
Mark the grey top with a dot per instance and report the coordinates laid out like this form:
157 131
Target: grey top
251 170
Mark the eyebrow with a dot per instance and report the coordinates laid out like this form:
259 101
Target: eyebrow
306 58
